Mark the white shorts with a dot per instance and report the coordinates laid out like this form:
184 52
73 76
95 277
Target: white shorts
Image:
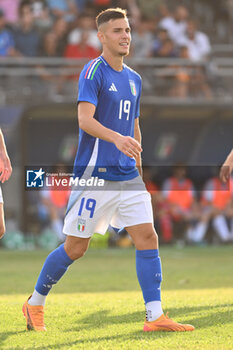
1 197
119 204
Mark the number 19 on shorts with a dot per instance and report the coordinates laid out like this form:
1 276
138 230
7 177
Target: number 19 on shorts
87 204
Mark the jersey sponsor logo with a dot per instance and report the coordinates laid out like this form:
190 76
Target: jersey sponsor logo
133 87
81 225
112 87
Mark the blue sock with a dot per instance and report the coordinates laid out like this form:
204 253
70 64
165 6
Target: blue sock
54 268
149 273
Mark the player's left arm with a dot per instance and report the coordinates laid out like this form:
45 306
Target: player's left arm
5 163
138 137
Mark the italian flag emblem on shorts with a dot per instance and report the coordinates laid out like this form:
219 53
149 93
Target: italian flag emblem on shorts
81 225
133 87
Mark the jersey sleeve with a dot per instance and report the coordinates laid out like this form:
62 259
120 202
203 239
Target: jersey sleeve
90 83
137 115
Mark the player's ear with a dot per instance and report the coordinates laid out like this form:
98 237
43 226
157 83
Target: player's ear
100 36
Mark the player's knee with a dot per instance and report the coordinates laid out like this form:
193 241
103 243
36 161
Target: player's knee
80 253
77 252
148 240
76 247
152 238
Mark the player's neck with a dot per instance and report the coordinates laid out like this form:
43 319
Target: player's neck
115 62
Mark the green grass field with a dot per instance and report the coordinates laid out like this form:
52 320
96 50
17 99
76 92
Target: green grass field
98 303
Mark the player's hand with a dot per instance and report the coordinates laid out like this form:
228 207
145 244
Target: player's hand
5 168
225 173
128 145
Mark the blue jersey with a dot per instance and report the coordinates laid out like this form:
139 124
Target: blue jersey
116 96
6 42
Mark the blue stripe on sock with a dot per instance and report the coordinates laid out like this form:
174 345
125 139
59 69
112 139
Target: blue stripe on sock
149 272
54 268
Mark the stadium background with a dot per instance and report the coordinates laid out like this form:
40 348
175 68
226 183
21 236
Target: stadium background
186 106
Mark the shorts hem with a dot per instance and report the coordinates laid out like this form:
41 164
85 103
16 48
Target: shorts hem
77 235
140 223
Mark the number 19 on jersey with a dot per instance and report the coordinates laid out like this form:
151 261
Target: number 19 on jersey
124 108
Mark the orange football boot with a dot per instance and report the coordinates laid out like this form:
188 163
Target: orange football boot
166 324
34 317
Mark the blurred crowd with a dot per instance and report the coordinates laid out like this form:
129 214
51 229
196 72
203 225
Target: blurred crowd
66 28
187 215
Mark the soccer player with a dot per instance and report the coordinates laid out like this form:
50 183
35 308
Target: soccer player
227 168
5 173
110 141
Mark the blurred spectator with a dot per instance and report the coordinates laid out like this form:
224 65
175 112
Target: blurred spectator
141 39
175 24
55 41
199 86
198 43
43 20
133 10
163 11
100 5
131 6
50 45
167 49
178 192
10 9
217 198
151 186
85 22
81 5
160 37
149 7
189 81
163 219
53 45
160 208
52 205
66 9
182 78
198 223
82 49
6 39
26 38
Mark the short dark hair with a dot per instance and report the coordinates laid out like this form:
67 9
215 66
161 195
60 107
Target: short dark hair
111 13
24 3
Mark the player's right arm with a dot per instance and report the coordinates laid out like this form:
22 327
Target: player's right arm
5 163
227 168
126 144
